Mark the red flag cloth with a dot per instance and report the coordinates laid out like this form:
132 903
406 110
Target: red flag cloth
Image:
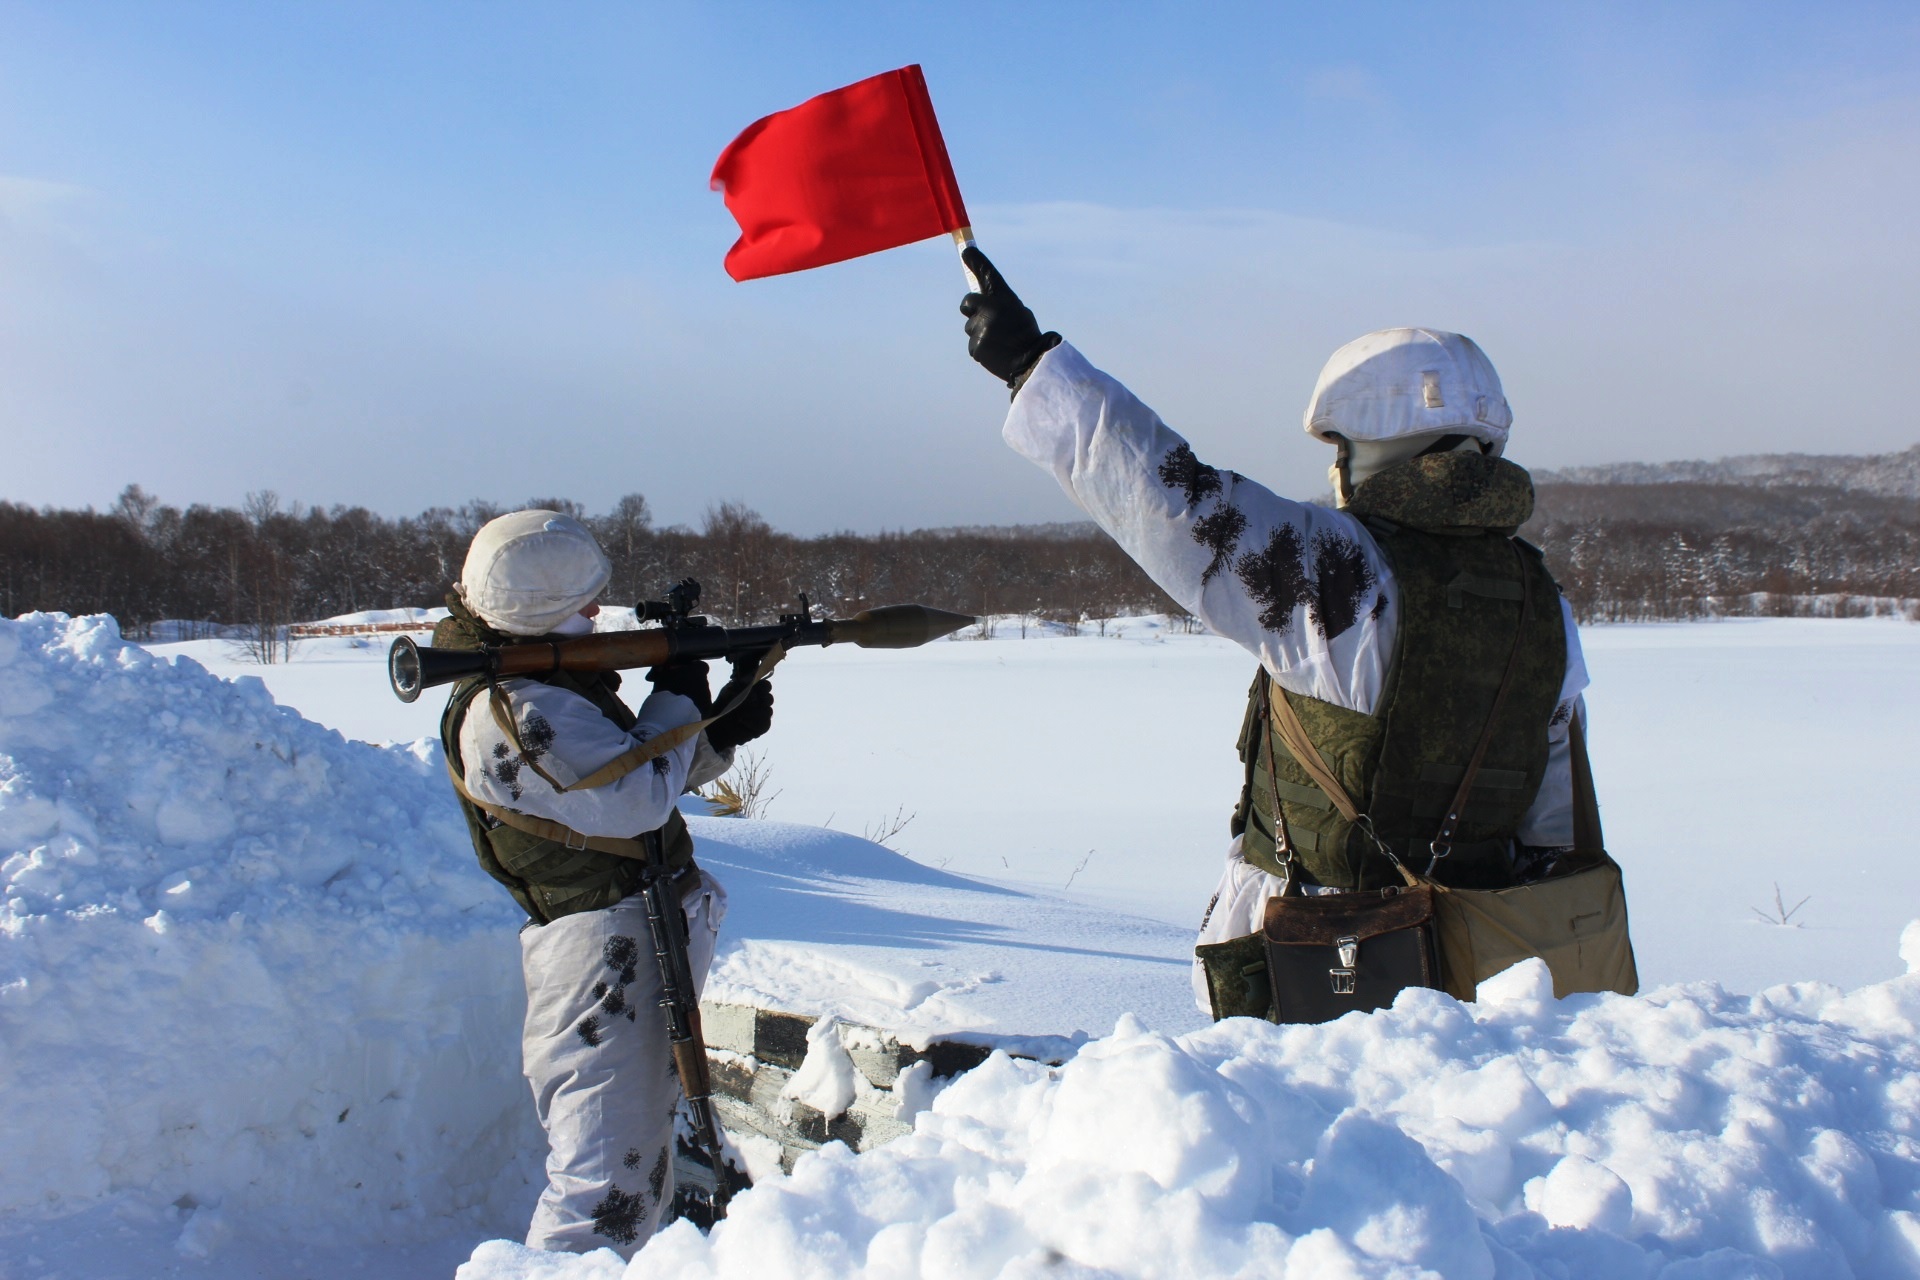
850 172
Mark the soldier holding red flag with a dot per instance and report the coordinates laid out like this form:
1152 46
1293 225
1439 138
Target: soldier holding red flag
1416 719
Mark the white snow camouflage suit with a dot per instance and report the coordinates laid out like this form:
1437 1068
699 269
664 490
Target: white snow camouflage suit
1205 536
594 1046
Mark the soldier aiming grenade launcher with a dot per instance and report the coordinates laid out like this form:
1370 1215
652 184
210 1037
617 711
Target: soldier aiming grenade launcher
681 634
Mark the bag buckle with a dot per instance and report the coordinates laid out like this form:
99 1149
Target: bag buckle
1344 977
568 843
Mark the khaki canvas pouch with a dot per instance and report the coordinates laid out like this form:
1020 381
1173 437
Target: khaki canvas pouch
1577 923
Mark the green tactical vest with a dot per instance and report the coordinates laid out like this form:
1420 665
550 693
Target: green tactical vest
1445 525
545 877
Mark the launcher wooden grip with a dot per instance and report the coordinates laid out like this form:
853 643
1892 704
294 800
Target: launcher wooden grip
606 651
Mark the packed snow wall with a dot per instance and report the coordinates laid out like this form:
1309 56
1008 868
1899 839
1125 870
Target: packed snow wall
245 964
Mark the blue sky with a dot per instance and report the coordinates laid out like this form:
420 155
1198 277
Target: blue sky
405 254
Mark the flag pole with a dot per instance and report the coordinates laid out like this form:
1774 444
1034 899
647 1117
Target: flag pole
963 241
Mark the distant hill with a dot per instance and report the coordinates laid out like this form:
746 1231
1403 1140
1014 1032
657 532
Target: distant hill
1888 475
1710 507
1789 533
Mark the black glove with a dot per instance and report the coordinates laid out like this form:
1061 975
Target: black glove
1001 333
686 677
744 723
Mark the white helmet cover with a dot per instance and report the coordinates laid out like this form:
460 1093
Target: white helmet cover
1394 383
529 571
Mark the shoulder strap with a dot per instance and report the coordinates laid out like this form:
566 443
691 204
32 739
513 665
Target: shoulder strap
546 829
1282 838
632 758
1286 722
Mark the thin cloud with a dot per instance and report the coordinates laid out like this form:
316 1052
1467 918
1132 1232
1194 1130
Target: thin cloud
37 200
1347 83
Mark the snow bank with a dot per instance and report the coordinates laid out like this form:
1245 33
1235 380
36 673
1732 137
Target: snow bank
1686 1135
246 965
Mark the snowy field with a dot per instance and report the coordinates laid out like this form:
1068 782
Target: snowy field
258 1011
1730 756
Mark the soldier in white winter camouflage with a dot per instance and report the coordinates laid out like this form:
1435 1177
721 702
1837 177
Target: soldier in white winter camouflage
1412 725
528 756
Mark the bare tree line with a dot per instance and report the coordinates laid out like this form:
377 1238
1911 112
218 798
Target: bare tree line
1630 553
269 563
1621 552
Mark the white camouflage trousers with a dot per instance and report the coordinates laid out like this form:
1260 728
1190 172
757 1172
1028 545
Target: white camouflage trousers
595 1050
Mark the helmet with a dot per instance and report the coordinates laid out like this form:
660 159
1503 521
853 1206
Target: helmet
1395 383
529 571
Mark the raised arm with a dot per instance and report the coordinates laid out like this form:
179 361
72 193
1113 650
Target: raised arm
1301 586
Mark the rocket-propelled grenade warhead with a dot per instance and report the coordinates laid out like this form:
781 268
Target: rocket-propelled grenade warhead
897 626
415 668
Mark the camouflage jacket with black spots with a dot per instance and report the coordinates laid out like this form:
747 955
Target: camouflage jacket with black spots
1305 588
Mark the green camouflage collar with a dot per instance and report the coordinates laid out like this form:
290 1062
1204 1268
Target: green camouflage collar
461 629
1448 491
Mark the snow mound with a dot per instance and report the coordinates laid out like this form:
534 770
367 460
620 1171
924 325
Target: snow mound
247 967
1680 1135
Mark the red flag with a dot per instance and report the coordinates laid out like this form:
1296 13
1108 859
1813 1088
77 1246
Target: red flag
850 172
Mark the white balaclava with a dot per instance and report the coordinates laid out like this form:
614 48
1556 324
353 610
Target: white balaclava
528 572
1392 394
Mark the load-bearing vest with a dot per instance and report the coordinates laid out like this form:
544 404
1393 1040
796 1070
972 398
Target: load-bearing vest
548 877
1445 523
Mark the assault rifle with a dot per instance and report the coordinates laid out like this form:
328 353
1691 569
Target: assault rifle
681 634
684 1035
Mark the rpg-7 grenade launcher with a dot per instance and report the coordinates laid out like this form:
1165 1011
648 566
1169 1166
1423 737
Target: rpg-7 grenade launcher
681 634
